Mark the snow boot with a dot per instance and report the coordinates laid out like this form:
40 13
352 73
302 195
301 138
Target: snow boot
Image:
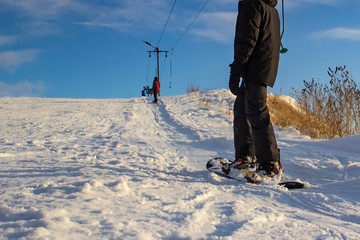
248 162
269 171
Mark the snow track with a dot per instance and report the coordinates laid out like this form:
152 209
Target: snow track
130 169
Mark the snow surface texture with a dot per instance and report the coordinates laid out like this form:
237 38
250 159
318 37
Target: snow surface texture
130 169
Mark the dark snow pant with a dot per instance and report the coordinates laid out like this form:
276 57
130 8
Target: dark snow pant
253 130
156 96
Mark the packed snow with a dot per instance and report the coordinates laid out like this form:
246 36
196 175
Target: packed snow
130 169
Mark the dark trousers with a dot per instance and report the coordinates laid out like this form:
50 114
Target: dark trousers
156 96
253 130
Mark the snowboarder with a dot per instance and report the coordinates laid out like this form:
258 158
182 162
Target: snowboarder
156 89
256 59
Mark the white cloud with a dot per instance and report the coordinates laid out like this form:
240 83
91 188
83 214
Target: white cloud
22 89
10 60
338 33
49 17
216 26
324 2
295 3
7 40
128 15
44 15
44 9
106 24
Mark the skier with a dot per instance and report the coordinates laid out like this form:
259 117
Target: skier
156 89
256 59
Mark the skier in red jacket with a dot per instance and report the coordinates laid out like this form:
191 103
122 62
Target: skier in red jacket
156 89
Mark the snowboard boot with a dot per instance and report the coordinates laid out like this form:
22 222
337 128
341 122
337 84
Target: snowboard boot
248 162
270 170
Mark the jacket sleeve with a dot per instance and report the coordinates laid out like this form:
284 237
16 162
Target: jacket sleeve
247 31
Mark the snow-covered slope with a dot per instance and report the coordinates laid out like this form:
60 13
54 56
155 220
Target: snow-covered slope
129 169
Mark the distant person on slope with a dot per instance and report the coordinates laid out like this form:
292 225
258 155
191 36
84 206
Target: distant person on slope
256 59
156 89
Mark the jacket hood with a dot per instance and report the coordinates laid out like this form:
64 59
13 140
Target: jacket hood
271 3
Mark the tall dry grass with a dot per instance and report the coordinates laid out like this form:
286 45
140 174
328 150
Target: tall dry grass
333 109
286 113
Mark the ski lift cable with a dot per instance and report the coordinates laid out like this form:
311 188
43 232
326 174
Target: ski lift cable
164 65
148 69
172 50
190 24
147 74
167 21
170 83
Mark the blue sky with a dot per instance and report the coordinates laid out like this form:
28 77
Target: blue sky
95 49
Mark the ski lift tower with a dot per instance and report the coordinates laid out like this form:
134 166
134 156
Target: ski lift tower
157 51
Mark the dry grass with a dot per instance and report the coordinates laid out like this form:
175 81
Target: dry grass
333 108
192 88
289 114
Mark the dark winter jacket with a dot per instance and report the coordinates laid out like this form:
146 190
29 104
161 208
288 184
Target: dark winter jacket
257 41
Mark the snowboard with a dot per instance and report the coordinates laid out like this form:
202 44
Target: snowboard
215 165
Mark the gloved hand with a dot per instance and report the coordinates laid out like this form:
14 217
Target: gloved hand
236 71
